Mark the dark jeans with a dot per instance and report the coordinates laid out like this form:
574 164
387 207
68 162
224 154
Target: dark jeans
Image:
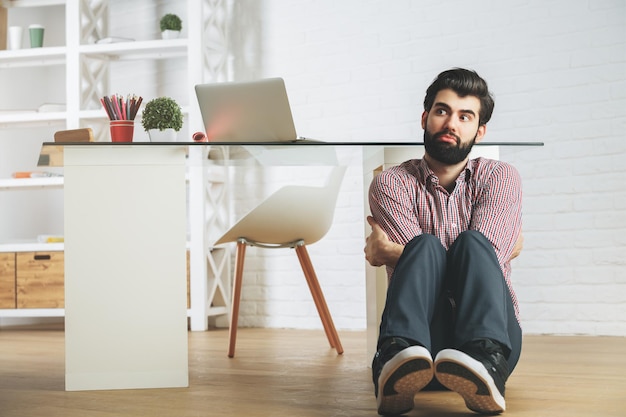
444 299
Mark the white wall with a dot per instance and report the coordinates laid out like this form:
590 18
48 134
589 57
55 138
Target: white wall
357 70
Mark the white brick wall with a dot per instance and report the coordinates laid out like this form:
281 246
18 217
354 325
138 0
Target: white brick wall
358 69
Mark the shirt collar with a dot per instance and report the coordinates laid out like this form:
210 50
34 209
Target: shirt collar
424 173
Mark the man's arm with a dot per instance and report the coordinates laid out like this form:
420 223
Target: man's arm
519 245
392 203
498 212
393 221
379 250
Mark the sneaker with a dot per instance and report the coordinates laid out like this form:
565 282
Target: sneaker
478 373
400 371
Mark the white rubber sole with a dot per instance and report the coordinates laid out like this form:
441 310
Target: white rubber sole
403 377
466 376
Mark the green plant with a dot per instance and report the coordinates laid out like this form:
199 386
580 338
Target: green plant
162 113
171 22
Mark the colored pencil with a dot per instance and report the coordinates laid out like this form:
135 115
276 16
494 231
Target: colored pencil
118 108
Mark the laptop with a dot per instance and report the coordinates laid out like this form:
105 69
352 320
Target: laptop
251 111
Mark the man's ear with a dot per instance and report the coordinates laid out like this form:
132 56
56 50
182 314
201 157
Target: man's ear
424 117
480 134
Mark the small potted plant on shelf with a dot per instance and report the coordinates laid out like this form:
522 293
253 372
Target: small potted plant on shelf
162 118
171 26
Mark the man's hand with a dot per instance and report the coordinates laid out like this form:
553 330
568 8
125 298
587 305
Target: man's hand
379 250
519 245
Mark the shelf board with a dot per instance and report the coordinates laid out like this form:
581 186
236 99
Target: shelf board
30 246
151 49
31 3
33 57
30 183
31 117
102 116
56 55
32 312
93 114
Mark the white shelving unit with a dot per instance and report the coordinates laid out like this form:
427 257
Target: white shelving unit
31 183
15 184
75 71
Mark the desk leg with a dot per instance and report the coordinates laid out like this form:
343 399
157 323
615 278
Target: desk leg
125 286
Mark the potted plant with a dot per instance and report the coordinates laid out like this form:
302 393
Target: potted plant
162 118
171 26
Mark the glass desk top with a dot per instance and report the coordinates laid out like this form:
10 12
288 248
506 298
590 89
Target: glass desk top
301 152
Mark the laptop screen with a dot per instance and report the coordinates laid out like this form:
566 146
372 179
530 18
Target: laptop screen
252 111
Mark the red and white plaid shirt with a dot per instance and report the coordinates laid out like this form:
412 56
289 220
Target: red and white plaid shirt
408 201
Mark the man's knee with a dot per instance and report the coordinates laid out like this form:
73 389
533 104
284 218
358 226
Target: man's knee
473 239
421 249
471 236
425 239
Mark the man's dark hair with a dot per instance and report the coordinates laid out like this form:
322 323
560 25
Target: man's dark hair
465 83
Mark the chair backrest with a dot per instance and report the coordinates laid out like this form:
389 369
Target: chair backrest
292 213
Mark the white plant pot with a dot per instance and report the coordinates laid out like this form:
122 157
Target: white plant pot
167 135
170 34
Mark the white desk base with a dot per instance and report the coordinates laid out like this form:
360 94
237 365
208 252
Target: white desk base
125 268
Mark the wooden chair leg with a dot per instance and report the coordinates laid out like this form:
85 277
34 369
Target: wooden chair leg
236 298
318 298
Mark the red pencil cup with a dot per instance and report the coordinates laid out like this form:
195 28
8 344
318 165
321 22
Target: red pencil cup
122 130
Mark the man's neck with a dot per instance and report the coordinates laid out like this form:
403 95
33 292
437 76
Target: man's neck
446 173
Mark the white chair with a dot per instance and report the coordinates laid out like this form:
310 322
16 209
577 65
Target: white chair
292 217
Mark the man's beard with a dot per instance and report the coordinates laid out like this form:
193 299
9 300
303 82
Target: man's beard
445 152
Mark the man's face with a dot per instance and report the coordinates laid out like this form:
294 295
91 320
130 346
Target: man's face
451 127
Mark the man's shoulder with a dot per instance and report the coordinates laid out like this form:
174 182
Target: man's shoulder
406 168
398 174
486 168
490 164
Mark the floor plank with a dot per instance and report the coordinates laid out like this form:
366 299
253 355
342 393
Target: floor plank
294 373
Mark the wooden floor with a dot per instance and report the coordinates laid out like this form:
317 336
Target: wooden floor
294 373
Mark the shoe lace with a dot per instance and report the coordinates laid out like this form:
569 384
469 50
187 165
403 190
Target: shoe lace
391 347
491 354
388 350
